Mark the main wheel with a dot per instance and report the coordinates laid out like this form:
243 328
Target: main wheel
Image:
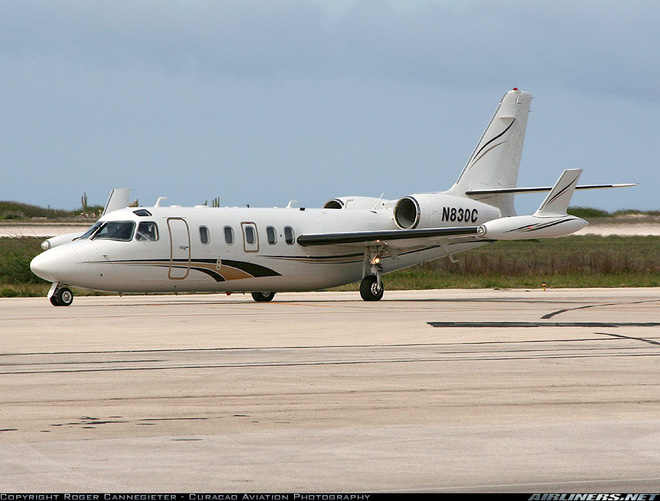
62 297
263 297
369 289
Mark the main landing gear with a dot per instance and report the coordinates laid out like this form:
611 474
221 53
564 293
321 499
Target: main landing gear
370 289
263 297
60 296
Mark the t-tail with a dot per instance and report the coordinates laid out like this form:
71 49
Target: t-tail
494 164
550 220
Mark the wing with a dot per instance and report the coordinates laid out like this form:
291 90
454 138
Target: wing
403 237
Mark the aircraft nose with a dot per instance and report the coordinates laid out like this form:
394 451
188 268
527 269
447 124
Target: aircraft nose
51 265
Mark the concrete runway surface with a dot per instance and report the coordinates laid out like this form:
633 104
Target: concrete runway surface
478 391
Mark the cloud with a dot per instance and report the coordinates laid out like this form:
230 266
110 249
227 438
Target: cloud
263 101
608 48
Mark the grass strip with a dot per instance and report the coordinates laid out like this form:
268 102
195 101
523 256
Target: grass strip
574 261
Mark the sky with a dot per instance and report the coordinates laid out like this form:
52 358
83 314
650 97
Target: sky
264 101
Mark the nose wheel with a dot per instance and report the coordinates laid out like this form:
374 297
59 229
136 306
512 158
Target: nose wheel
60 296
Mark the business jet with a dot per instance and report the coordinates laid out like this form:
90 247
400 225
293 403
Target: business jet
350 239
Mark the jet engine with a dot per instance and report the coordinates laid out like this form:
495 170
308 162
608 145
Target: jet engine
433 210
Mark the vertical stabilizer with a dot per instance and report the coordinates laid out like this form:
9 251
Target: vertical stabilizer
496 159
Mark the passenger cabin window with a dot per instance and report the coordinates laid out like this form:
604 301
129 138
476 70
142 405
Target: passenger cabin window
115 230
272 235
204 235
249 235
147 232
289 236
229 235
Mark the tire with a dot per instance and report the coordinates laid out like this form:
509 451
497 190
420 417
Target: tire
263 297
369 289
62 297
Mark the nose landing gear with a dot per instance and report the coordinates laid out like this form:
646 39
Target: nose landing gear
60 296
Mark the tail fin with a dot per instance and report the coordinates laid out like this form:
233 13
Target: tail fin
556 203
496 159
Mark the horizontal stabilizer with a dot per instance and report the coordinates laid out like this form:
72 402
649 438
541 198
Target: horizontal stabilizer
541 189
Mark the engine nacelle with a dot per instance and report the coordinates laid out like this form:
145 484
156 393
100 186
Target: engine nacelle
434 210
530 227
363 203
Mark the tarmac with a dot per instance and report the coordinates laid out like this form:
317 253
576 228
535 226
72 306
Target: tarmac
425 391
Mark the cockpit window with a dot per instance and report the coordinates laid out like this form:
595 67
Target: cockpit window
90 232
115 230
147 232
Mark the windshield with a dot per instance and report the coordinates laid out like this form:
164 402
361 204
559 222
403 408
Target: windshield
115 230
90 232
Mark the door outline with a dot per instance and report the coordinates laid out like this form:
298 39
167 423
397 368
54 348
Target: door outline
246 246
178 251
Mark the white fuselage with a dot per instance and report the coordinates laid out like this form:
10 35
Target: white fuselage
351 239
192 249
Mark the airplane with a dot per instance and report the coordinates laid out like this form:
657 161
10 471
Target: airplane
267 250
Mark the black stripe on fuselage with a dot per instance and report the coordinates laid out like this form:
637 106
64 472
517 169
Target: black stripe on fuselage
255 270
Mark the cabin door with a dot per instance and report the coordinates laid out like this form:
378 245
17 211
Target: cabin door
179 248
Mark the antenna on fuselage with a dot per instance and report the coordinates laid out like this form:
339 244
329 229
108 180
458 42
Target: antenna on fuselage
379 199
290 204
160 199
